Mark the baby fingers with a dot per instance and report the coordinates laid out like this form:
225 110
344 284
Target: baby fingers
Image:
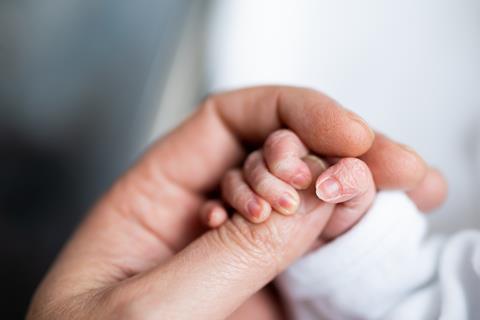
283 152
213 214
238 194
349 184
282 197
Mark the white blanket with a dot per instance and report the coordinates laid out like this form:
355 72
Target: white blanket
387 268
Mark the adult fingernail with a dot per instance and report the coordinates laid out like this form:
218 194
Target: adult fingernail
408 148
288 203
328 189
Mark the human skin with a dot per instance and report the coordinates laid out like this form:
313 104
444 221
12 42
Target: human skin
141 251
272 177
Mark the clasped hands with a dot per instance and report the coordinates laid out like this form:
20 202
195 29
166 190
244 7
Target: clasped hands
144 252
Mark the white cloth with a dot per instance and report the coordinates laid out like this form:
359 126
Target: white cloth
386 267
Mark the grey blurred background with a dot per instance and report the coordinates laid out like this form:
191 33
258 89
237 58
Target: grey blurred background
86 85
80 86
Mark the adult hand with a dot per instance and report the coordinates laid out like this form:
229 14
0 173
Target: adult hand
141 253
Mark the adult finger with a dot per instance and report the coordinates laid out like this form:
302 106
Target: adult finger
396 166
225 266
431 192
226 122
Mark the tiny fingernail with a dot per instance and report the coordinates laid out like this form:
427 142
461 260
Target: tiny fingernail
328 189
254 208
289 203
299 181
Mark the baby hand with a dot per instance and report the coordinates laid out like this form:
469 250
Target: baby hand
279 177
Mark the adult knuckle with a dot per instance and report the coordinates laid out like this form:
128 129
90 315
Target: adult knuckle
127 301
258 244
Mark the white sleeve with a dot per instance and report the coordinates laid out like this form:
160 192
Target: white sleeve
386 267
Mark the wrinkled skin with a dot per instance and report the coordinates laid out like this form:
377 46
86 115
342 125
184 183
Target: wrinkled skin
141 253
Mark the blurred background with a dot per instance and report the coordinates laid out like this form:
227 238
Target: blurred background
80 82
85 85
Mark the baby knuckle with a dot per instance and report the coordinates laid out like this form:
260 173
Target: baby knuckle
252 160
276 138
263 184
230 177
